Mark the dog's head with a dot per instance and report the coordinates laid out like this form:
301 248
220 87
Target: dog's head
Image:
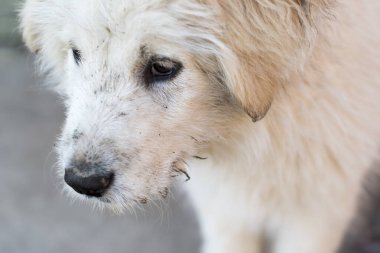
148 84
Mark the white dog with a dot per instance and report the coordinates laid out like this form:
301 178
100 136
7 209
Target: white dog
271 106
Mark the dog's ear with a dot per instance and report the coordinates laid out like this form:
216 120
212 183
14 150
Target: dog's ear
252 63
248 86
30 37
268 43
29 28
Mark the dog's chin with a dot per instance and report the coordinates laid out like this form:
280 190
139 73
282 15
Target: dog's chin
109 201
119 198
113 201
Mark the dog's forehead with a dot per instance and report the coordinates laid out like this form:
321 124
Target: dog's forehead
127 21
130 25
120 14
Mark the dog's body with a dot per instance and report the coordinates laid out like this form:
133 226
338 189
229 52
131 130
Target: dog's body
273 105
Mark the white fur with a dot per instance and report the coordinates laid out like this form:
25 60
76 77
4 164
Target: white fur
312 74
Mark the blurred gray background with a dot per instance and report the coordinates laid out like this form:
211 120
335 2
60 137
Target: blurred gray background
36 218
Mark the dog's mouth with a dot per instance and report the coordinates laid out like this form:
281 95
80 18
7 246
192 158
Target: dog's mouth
110 189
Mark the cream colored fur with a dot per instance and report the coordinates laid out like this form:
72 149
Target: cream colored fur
281 97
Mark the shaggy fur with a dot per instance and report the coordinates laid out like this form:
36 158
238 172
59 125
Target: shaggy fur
274 113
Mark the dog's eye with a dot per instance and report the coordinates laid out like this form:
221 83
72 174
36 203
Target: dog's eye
161 70
77 55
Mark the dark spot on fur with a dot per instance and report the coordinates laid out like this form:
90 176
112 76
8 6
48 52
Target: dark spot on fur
77 55
144 52
256 116
143 200
122 114
194 138
177 171
86 166
164 193
77 135
200 158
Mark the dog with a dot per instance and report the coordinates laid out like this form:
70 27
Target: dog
271 107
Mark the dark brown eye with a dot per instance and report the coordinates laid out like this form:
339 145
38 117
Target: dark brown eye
160 69
77 55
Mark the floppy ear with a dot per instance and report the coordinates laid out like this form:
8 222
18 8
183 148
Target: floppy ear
246 81
29 28
41 35
269 41
259 47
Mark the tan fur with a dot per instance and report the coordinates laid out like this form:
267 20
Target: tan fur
270 39
318 65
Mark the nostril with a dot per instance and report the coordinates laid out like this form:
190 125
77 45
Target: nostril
92 185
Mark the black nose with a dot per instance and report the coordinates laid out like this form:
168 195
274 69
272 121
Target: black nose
90 184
